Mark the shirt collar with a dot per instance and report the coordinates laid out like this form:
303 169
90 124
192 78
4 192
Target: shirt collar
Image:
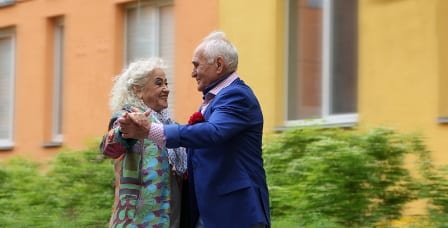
214 84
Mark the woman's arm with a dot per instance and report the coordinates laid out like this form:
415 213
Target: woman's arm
113 144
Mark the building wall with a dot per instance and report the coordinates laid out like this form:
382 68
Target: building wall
194 20
257 28
442 36
402 72
402 64
93 56
403 58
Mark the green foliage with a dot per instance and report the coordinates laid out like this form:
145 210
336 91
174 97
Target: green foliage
21 199
77 191
337 177
317 178
434 187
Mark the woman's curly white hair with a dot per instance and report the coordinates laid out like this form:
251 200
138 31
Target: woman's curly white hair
135 76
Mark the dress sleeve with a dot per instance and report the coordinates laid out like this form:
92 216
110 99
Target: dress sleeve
113 145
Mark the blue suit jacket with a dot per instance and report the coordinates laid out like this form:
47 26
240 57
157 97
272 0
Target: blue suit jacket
227 181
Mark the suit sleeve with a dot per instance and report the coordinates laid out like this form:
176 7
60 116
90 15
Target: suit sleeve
230 113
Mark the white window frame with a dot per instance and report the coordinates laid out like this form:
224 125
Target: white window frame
327 119
58 81
155 27
7 2
8 143
155 48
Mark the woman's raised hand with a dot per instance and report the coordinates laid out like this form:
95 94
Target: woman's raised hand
135 125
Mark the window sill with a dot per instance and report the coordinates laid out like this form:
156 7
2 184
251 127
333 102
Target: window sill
52 144
6 146
348 120
5 3
442 120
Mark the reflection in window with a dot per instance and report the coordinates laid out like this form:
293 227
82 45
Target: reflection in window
322 59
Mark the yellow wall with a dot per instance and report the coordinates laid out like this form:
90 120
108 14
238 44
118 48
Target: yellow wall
93 56
442 40
257 29
400 66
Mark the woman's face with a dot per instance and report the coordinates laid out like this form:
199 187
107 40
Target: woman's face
155 92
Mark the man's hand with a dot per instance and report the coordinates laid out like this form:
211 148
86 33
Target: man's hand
135 125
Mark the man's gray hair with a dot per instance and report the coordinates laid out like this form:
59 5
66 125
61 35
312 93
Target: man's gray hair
216 44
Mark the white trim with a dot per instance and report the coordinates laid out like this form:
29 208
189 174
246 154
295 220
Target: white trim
6 145
326 119
333 120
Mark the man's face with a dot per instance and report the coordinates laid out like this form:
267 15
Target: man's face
204 72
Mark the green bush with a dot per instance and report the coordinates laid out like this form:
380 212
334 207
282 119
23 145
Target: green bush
77 191
434 187
317 178
338 178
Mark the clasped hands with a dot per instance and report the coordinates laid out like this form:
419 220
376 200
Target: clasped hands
135 125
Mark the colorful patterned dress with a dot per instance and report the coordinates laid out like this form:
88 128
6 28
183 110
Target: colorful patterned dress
142 171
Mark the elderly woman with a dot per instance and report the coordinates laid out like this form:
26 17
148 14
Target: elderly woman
142 169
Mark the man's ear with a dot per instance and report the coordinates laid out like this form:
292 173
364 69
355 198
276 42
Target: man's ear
220 67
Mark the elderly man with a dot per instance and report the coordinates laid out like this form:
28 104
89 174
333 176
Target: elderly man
227 182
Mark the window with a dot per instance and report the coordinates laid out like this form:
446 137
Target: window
55 91
150 32
58 79
322 61
7 78
7 2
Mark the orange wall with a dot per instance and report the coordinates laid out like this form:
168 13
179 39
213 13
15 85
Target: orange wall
192 24
93 55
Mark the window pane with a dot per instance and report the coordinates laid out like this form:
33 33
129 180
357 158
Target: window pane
6 90
167 49
344 56
305 61
150 32
140 35
58 80
313 25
